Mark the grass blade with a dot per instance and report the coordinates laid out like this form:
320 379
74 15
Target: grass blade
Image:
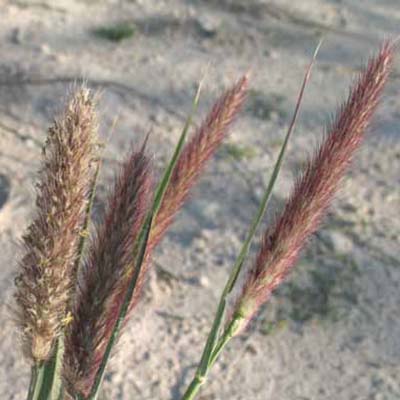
52 383
36 382
168 172
140 248
215 343
46 381
267 194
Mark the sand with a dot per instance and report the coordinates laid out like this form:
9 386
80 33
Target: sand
332 332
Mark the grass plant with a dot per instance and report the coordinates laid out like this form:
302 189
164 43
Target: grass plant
116 32
78 285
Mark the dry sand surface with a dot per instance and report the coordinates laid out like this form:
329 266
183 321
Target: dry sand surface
332 332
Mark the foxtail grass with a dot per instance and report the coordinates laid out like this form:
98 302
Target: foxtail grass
214 344
44 283
192 162
76 290
315 188
196 153
102 276
312 194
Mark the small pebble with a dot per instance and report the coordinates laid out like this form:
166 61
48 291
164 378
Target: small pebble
204 281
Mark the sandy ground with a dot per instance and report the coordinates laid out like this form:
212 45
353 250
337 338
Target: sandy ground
333 331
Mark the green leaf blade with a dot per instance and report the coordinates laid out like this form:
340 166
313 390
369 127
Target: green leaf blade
140 248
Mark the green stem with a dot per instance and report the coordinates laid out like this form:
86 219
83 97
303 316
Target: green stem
194 387
140 251
45 377
52 384
201 376
124 309
216 343
36 382
229 332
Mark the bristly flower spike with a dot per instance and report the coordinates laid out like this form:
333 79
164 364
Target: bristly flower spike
196 153
81 366
103 279
44 284
314 189
192 162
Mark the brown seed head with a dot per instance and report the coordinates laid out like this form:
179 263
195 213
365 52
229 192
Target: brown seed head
44 282
87 354
104 277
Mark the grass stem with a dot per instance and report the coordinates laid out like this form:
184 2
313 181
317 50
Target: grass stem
216 342
140 250
35 383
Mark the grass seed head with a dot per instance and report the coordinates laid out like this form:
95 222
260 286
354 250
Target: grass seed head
315 188
44 283
105 273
